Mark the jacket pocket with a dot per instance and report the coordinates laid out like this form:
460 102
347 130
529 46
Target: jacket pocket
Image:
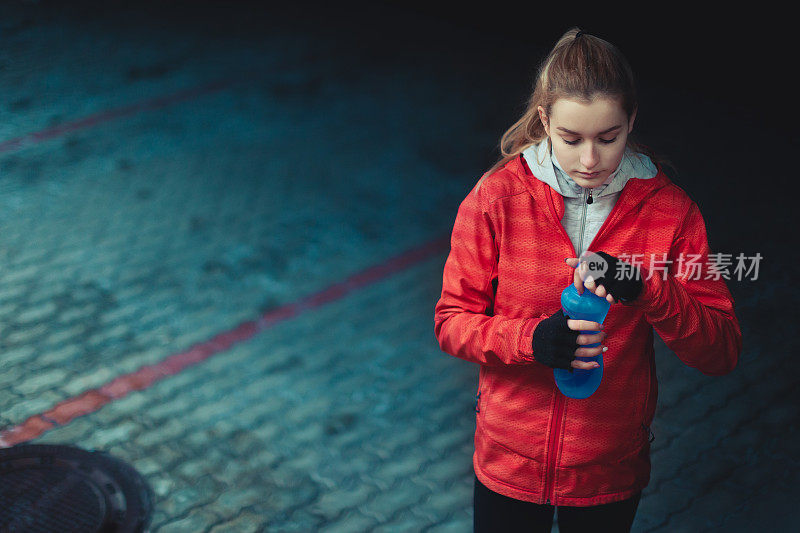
639 440
650 401
481 395
648 432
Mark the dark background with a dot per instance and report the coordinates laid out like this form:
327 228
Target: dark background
715 91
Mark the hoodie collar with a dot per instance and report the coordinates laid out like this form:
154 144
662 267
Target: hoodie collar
545 167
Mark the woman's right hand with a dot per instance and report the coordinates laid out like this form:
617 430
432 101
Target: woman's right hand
586 338
559 343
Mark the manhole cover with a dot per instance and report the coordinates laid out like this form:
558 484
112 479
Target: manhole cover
52 488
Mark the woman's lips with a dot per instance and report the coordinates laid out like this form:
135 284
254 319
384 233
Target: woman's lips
589 174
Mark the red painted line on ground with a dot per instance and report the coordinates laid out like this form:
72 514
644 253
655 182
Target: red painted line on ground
12 145
92 400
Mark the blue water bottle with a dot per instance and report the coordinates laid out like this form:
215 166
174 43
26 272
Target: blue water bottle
582 383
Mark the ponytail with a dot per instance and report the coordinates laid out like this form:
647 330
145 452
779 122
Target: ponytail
580 66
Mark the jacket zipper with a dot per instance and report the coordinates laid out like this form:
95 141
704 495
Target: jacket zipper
583 220
552 449
552 446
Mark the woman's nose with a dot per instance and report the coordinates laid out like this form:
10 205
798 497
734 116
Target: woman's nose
589 157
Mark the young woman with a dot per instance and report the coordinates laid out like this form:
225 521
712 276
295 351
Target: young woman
570 183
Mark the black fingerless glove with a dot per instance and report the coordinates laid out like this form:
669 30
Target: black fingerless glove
623 290
554 344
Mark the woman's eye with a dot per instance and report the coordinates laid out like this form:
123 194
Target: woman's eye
604 141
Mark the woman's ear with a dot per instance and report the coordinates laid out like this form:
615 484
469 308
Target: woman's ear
543 118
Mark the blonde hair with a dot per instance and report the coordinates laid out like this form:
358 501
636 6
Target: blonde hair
580 66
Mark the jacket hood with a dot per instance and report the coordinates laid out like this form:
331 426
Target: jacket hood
630 184
545 167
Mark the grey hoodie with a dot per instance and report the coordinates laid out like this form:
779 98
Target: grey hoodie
581 220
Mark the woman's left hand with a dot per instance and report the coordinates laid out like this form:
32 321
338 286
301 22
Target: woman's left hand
604 275
582 279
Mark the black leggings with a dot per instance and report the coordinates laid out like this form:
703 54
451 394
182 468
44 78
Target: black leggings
495 512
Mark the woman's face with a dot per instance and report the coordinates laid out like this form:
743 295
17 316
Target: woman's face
588 138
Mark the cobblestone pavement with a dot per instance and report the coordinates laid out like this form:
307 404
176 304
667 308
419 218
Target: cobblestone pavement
180 209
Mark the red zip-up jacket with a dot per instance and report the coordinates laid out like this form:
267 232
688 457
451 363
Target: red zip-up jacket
505 273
